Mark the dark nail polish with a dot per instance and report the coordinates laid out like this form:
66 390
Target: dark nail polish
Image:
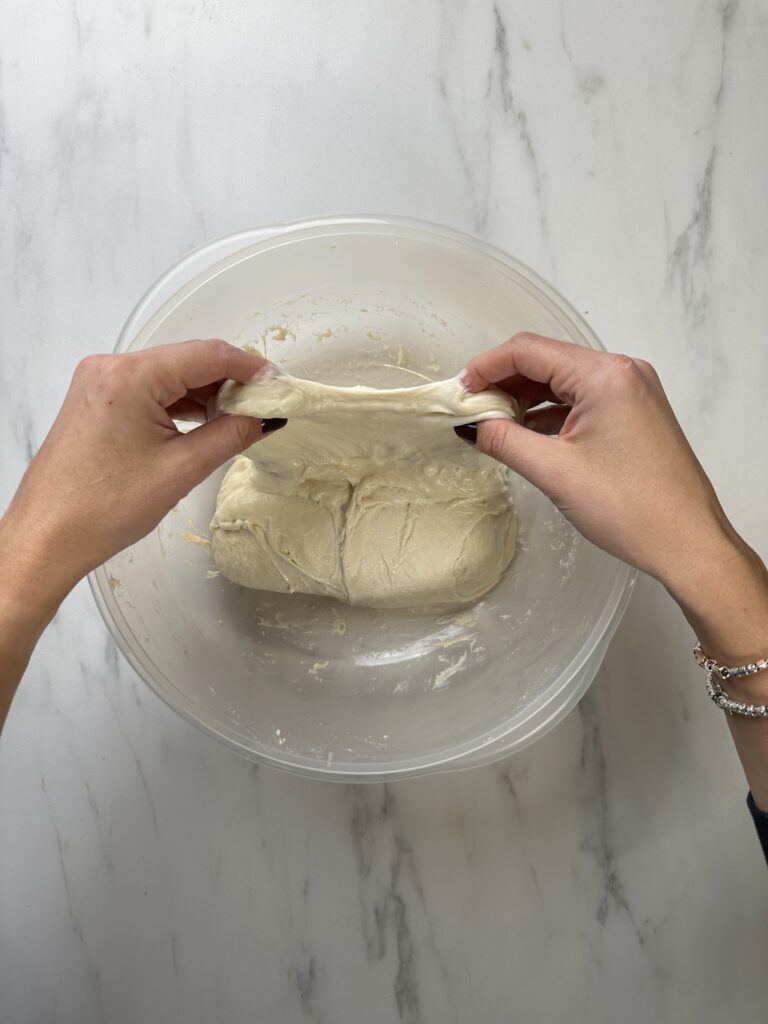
467 432
268 426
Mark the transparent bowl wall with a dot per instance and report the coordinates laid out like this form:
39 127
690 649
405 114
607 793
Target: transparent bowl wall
311 685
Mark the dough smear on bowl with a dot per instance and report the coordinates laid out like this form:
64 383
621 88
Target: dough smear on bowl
366 495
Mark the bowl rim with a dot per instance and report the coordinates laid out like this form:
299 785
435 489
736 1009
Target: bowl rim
549 708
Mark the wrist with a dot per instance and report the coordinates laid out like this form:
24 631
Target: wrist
33 582
713 556
723 593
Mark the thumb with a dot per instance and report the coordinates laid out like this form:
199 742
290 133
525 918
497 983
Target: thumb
534 456
209 446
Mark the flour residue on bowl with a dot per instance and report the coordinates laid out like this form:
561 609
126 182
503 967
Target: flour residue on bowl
336 301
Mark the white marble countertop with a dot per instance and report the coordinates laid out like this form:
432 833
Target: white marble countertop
609 873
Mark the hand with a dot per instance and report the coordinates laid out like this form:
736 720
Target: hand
114 464
620 468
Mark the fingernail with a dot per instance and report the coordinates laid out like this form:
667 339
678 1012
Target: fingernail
268 426
467 432
268 369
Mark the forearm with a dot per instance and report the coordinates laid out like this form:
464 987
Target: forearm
111 467
20 629
29 597
725 599
15 651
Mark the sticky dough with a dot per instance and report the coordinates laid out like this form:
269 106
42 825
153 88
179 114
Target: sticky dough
366 495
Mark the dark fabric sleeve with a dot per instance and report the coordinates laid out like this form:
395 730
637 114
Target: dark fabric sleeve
760 819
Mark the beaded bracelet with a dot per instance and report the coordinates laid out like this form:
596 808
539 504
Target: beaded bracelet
718 694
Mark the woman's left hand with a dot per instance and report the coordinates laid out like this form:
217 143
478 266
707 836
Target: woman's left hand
114 463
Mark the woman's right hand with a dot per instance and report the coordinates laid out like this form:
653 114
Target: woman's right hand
619 468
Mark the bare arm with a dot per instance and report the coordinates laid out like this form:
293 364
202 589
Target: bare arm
621 470
111 467
728 609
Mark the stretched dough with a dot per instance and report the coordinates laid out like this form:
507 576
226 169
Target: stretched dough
366 495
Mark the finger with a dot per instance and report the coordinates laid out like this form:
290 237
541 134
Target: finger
528 393
537 458
206 448
205 393
176 369
548 420
559 364
187 409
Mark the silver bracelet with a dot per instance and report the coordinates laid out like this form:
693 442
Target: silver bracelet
718 694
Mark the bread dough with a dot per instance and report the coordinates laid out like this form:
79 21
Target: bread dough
365 495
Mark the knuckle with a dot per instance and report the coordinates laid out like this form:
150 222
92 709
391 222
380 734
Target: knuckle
625 372
109 375
222 349
220 353
494 439
114 372
120 367
522 338
647 369
245 430
626 363
90 365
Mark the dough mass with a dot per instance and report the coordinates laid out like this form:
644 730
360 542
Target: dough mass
366 495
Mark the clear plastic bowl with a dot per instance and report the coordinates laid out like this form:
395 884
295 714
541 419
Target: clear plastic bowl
311 685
